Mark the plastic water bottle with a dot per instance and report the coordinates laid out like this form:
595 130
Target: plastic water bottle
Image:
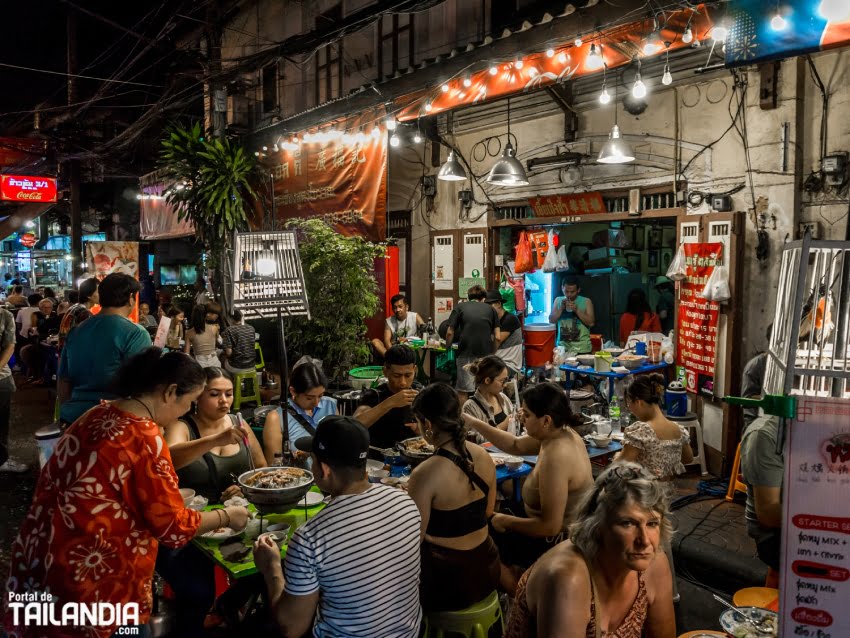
614 414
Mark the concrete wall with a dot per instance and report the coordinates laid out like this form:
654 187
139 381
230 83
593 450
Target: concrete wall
692 113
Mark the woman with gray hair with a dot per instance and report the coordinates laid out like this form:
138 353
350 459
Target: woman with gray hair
610 578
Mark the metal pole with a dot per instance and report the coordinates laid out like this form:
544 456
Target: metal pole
284 374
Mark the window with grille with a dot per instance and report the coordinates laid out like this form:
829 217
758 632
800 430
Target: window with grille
270 87
395 43
329 60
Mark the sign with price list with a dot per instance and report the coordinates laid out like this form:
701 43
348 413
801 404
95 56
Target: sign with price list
815 560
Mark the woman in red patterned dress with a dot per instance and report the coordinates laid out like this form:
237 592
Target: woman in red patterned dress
106 499
610 579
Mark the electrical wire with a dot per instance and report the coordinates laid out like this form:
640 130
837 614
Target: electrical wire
75 75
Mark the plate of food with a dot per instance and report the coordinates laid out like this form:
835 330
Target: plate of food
736 626
220 534
310 499
416 448
277 478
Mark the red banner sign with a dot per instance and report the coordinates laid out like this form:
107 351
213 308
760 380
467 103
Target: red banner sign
567 205
20 150
698 319
23 188
339 175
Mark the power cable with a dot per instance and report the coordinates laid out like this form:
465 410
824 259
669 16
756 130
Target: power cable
75 75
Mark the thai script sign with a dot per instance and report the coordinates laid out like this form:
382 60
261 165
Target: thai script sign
22 188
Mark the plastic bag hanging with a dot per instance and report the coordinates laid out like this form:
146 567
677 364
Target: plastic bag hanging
523 261
678 270
562 262
506 292
717 286
550 264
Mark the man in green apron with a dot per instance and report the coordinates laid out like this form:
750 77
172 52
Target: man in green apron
574 316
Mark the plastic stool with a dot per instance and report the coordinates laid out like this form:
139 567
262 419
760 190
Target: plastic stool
239 395
691 422
258 351
736 483
472 622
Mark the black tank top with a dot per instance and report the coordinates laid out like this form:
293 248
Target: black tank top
463 520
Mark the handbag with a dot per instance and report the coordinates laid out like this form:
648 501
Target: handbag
523 261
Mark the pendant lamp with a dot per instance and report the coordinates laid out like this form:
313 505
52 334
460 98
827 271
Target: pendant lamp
451 171
508 171
616 150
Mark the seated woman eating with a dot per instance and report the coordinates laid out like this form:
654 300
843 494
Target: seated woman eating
306 406
208 447
455 491
490 403
552 491
609 579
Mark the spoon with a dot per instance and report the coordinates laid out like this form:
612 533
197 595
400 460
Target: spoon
759 625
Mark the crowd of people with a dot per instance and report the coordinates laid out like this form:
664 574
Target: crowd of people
141 422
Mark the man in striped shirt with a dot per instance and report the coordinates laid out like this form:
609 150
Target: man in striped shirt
353 569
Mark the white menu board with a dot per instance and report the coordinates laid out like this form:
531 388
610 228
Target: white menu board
815 580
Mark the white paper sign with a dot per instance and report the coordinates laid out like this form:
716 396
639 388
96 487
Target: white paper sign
162 332
815 561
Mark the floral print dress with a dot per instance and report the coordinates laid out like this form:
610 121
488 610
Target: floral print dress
105 500
663 458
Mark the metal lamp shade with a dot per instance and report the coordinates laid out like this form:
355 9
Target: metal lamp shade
615 150
508 171
452 171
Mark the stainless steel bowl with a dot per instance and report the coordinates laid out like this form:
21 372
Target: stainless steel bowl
274 500
412 456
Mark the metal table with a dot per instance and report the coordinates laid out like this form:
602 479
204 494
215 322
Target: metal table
611 376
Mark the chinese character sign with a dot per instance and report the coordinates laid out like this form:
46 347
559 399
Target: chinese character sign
338 176
815 557
697 318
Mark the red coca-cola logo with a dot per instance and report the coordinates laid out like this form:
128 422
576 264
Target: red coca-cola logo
28 239
809 616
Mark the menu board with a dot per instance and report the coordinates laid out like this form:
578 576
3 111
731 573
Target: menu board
697 319
815 580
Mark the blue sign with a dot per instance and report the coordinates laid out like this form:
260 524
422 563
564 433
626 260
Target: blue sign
761 31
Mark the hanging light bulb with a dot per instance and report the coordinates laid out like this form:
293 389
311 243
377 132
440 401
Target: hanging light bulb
579 41
417 138
778 23
562 57
604 97
667 78
428 106
834 10
467 80
719 33
688 36
445 88
652 45
494 70
594 60
394 140
639 88
391 123
376 132
616 150
265 148
550 53
518 63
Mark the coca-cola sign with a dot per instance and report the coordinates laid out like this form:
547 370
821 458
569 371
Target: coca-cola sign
24 188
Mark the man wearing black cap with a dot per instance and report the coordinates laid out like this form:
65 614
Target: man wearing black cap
356 563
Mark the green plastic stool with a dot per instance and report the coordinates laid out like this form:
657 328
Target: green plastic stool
258 353
239 393
472 622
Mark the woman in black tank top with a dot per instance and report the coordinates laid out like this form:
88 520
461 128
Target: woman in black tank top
455 491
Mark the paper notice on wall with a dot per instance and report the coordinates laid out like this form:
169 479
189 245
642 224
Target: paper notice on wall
443 308
162 332
815 560
443 255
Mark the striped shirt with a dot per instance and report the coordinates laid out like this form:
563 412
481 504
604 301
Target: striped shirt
240 338
362 553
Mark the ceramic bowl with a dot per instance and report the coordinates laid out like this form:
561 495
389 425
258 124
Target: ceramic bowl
600 440
187 494
375 476
514 462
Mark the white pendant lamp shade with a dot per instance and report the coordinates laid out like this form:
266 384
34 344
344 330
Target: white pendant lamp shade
508 171
451 171
615 150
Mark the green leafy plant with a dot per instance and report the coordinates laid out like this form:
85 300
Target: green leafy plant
341 289
210 185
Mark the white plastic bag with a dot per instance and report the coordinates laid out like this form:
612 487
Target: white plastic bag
563 263
717 286
678 269
550 264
